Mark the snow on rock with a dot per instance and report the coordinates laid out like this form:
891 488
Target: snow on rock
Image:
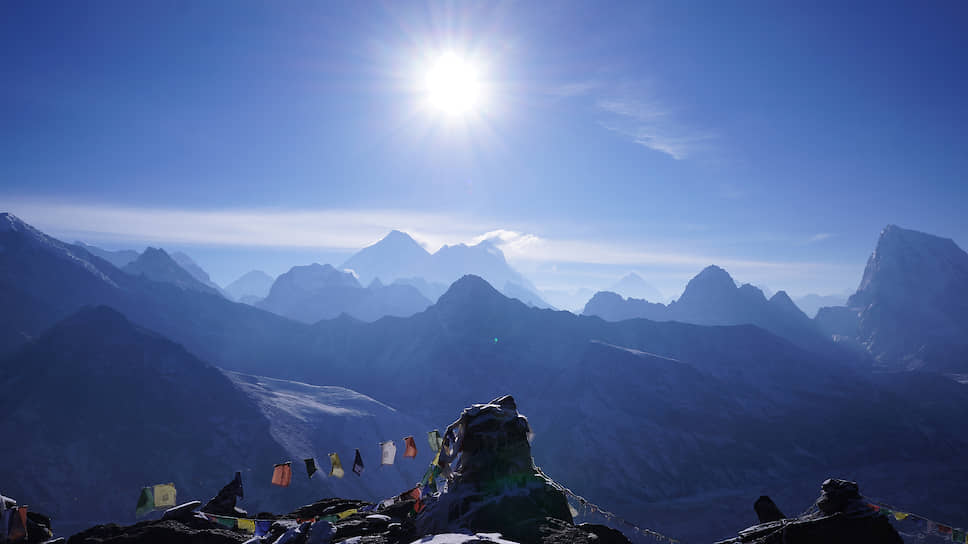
463 538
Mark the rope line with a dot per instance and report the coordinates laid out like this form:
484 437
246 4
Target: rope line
608 515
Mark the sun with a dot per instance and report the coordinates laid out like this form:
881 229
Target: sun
452 85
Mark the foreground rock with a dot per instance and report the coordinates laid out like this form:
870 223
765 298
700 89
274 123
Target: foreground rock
495 486
492 487
840 516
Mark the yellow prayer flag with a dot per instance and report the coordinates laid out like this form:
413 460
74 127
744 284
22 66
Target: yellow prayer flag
346 513
246 525
337 469
164 495
900 515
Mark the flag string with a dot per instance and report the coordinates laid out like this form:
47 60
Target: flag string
944 530
605 513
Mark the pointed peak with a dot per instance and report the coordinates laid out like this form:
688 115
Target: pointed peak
398 237
714 275
469 288
781 296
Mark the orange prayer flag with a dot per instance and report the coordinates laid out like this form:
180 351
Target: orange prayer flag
282 474
411 447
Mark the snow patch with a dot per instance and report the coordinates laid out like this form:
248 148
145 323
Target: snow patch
462 538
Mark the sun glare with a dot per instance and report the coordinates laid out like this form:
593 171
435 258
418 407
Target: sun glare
452 86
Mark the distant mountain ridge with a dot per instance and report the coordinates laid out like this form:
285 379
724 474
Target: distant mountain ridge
712 298
156 265
313 292
632 285
253 285
397 256
118 258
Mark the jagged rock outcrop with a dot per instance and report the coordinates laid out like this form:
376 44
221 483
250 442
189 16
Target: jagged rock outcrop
495 486
839 516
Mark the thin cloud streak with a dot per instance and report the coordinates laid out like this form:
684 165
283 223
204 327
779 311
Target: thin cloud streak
354 229
651 125
631 111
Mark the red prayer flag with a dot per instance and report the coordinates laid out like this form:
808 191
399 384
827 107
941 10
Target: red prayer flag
282 474
944 529
18 525
415 494
411 447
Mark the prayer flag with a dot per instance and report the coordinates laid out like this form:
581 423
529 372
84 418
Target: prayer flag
146 502
411 447
337 469
164 495
957 535
388 450
247 525
944 529
225 522
18 524
346 513
310 466
358 463
262 527
415 495
900 515
433 437
282 474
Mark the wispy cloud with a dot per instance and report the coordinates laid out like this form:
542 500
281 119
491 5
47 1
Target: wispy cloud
650 124
635 112
819 237
354 229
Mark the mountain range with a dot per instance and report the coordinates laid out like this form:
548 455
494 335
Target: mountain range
314 292
713 298
399 257
671 425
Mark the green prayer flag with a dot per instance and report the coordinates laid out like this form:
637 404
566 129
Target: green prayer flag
958 535
146 502
434 439
227 522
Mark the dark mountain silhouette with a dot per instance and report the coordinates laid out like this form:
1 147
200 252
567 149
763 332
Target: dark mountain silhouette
253 285
712 298
314 292
97 407
155 264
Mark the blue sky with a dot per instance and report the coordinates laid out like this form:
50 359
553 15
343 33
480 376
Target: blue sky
775 139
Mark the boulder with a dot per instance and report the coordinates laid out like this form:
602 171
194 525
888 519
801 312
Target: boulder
839 516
